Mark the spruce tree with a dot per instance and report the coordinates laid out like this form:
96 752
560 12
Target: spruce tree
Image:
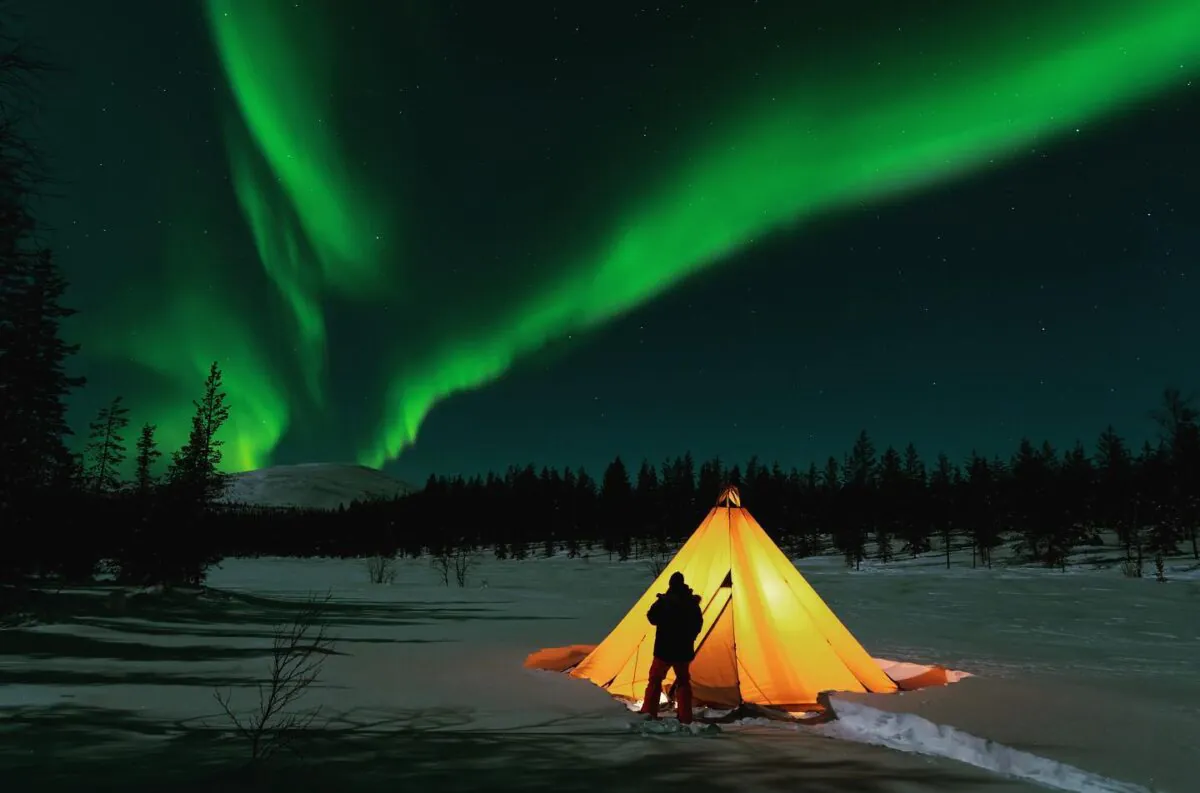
182 546
34 385
891 484
860 490
615 501
147 455
942 491
105 450
1179 423
195 468
915 503
1115 504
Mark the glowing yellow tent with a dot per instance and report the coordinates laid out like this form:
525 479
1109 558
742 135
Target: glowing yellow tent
768 637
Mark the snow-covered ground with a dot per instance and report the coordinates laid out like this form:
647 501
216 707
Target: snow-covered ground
1083 680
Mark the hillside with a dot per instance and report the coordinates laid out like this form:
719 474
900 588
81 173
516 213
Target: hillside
312 485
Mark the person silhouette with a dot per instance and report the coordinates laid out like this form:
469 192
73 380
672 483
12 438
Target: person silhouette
677 619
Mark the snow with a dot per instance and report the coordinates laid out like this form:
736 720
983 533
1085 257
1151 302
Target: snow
910 733
312 486
1083 681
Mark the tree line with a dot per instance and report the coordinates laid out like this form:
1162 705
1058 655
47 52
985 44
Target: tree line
1039 501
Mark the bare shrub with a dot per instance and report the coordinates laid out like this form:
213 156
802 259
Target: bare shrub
1160 568
441 562
381 569
463 560
298 652
456 560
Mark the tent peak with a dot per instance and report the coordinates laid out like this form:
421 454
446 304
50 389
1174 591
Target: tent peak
730 497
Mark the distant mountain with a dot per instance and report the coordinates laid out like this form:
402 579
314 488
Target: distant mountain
312 486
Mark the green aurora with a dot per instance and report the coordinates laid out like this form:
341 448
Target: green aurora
177 339
282 92
797 149
805 149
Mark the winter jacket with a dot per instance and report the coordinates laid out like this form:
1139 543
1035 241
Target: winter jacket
677 618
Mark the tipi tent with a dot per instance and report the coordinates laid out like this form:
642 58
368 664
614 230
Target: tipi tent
768 637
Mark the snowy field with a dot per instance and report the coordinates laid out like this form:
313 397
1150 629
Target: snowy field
1084 681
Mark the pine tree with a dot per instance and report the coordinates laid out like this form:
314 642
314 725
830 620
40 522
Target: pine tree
1032 471
890 478
105 450
34 385
1114 497
184 553
1179 423
914 504
1074 522
942 490
648 499
710 479
981 498
195 467
859 488
147 455
616 499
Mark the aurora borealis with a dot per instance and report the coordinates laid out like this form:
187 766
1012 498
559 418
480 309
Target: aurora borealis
412 227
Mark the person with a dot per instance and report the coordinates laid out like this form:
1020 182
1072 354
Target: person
677 620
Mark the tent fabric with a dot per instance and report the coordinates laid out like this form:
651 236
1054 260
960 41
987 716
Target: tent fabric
768 638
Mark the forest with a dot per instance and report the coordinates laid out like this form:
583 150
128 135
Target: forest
869 504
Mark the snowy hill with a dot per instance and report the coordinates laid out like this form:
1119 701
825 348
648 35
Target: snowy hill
312 485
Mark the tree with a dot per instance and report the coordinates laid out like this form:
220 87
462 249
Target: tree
678 492
1032 471
914 504
1114 507
1152 527
831 518
981 507
184 553
942 489
195 468
1179 424
34 384
711 478
616 497
1075 512
858 488
891 485
105 450
147 455
648 500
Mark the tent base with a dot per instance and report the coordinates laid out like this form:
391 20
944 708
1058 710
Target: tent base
813 714
906 676
819 713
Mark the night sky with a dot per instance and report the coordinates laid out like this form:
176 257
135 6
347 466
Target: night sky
557 232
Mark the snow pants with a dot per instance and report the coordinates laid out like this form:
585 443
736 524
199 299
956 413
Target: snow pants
683 689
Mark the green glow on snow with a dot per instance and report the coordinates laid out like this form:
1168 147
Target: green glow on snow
811 148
